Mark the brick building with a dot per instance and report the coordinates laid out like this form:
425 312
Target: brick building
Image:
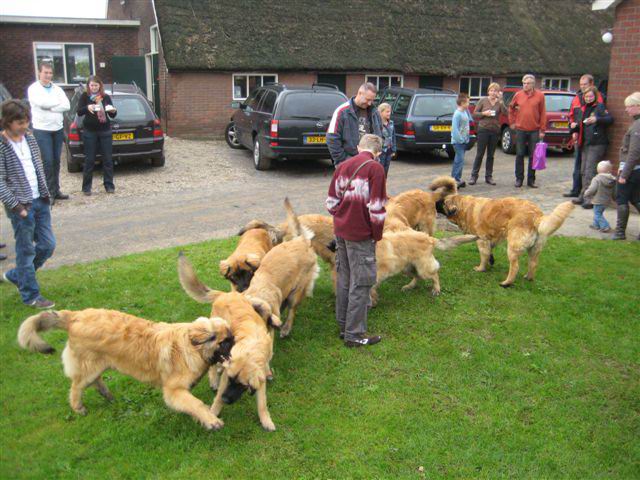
76 47
214 53
624 68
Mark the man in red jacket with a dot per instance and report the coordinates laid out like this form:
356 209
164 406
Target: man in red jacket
357 197
575 117
528 117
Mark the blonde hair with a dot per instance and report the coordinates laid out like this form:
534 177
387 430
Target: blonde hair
384 106
604 166
632 100
370 142
494 85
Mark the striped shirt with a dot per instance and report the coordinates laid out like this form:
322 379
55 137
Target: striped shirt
15 189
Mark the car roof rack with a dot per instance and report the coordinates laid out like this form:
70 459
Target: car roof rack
325 85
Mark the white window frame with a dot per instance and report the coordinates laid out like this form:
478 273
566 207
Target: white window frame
154 36
233 82
559 79
64 63
388 75
471 77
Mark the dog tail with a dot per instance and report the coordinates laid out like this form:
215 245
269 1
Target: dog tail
28 337
453 242
296 228
443 186
191 284
552 222
275 233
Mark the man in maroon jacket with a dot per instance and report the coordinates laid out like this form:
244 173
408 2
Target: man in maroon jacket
357 197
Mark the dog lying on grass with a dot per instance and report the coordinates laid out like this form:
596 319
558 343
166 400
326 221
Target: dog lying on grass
172 356
247 367
520 222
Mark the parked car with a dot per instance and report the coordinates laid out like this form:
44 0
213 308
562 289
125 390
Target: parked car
557 134
137 132
281 122
422 118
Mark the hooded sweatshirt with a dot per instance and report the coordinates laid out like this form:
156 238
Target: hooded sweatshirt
601 189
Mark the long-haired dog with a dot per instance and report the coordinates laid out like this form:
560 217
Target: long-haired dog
416 208
172 356
411 252
248 365
240 266
520 222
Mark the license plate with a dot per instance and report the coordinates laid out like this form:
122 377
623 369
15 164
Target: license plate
560 124
315 139
122 136
440 128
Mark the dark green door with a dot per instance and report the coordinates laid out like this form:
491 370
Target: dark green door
337 79
129 69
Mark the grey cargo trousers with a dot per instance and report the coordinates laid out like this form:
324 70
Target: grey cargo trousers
356 266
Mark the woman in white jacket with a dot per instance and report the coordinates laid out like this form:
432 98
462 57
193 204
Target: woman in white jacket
48 103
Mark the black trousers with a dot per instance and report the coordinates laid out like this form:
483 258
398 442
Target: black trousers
630 191
487 140
525 143
92 141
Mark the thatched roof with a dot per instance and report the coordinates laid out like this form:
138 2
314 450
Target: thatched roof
437 37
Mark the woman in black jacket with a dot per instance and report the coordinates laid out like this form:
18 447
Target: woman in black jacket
97 109
592 139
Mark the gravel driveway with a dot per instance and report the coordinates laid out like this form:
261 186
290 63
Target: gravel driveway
207 190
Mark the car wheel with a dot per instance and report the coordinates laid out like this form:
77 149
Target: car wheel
73 166
158 161
508 141
451 153
231 136
259 160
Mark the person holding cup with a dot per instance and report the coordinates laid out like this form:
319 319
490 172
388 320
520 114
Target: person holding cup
97 109
487 116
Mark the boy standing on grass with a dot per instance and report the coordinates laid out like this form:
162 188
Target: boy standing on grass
460 136
601 189
357 197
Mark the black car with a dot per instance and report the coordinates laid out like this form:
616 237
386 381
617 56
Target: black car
137 132
422 118
280 122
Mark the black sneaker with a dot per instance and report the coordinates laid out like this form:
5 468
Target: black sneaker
587 205
61 196
461 184
570 195
518 183
110 190
341 335
41 302
361 342
531 185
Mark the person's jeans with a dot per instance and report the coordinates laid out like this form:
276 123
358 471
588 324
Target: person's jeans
591 155
487 140
385 160
91 141
50 144
356 268
525 144
35 243
577 172
598 217
458 161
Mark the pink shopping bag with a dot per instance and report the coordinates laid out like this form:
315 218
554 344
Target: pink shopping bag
539 156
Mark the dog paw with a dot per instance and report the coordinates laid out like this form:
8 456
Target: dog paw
214 425
284 332
80 411
435 292
479 269
269 426
528 277
407 288
505 284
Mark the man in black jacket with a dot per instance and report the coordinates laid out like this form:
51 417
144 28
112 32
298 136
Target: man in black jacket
351 121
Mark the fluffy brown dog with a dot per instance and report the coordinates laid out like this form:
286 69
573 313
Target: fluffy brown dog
416 208
240 266
520 222
172 356
411 252
287 273
248 365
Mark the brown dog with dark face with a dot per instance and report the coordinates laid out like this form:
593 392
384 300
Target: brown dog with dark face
251 322
240 266
172 356
520 222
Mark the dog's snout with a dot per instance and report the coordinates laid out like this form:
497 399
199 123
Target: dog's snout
233 391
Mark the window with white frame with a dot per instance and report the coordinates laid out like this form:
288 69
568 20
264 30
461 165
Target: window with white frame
72 62
475 87
245 83
154 45
556 83
382 81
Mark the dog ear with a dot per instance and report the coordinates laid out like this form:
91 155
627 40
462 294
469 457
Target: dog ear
199 334
252 261
225 268
263 309
274 321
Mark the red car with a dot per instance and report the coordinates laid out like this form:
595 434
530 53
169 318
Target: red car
557 134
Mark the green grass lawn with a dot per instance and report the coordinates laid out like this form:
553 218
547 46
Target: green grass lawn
538 381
